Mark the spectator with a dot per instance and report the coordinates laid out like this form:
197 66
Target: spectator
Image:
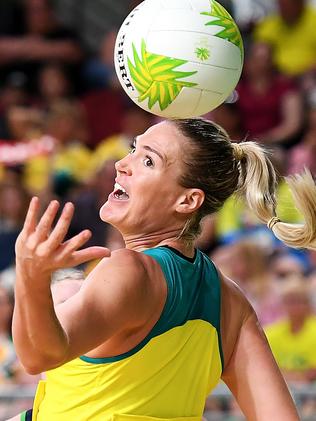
99 72
24 123
293 339
13 93
105 96
248 12
70 162
228 116
104 109
291 34
284 265
13 204
88 203
206 241
304 154
42 38
269 104
312 281
11 174
53 84
11 371
247 263
7 352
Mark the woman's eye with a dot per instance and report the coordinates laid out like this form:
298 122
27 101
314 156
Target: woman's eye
132 149
148 162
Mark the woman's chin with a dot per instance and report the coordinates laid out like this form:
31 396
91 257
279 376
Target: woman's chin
108 214
113 210
105 213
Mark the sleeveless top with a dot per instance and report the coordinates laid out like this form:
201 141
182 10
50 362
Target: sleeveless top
167 376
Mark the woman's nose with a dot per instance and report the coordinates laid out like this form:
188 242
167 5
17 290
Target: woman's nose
122 166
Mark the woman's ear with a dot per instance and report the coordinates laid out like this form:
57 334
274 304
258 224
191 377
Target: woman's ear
190 201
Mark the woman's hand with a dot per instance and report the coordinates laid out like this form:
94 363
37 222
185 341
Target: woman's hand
40 249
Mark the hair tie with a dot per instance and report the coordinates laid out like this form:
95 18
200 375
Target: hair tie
238 152
274 220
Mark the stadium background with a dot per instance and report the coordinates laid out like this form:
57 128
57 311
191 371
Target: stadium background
64 121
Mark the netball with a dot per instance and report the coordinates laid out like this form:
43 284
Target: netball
179 58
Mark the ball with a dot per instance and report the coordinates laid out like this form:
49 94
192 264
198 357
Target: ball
179 58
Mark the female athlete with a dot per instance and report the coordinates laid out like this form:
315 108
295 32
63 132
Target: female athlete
155 326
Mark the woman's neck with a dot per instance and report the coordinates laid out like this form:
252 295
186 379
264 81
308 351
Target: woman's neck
170 239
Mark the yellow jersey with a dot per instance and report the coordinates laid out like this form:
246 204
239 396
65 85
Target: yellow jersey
165 377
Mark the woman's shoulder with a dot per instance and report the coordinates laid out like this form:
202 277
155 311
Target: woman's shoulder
129 266
234 300
123 255
126 276
123 264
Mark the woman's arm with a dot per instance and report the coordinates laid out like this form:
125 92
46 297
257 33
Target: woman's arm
254 378
114 297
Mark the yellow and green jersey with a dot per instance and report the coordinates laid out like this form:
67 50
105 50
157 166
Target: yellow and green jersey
168 375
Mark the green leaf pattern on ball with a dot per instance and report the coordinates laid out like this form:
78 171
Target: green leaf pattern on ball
154 77
222 18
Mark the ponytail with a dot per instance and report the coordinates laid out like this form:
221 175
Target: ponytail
257 184
212 163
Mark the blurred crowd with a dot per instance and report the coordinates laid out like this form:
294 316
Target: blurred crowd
65 120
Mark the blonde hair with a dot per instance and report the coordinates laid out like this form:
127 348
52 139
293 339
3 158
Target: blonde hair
220 168
257 183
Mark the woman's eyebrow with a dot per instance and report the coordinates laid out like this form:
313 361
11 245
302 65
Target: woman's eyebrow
150 149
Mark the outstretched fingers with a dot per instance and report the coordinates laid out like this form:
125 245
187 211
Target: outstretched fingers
60 230
31 216
45 224
44 245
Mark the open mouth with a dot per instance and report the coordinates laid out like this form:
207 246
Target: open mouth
120 193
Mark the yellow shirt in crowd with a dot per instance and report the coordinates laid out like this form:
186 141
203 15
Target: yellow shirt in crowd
294 47
293 352
75 159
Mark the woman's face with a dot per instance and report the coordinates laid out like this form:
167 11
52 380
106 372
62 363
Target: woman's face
152 201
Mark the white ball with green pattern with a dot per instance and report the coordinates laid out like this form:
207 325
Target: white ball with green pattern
179 58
